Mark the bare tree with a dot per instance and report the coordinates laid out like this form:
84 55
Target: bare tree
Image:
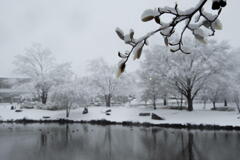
195 20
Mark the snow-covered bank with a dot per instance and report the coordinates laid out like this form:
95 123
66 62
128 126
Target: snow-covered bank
128 114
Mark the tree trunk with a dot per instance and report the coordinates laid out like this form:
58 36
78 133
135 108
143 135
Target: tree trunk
190 103
43 139
67 112
108 100
225 103
165 101
154 102
181 102
44 97
214 105
236 100
238 107
190 146
204 104
145 103
67 134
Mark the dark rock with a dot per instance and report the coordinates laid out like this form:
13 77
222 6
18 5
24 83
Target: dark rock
18 110
27 107
109 110
85 110
46 117
108 114
156 117
12 108
144 114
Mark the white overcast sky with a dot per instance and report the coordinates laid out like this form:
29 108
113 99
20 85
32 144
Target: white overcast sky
80 30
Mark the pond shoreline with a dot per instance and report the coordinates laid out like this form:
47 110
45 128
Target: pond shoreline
104 122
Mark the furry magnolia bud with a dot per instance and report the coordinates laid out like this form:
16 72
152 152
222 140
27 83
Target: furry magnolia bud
223 3
120 33
121 69
147 15
217 25
166 41
131 33
157 20
215 5
206 24
199 35
138 51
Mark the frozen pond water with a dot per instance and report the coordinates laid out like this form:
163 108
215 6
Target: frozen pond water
91 142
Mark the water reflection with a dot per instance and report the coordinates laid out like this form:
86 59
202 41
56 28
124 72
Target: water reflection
89 142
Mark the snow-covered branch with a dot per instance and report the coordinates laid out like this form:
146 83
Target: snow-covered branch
196 20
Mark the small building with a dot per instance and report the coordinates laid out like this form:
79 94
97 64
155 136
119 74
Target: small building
8 91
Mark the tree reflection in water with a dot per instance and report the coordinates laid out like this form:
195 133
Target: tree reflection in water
90 142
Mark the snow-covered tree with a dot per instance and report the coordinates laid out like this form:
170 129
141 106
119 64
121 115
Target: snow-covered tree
200 22
153 75
234 77
218 87
70 94
236 98
152 89
235 92
104 80
214 89
39 65
187 74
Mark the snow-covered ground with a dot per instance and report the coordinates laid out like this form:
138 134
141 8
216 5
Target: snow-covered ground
126 113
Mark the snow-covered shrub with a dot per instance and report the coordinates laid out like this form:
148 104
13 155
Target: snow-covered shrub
69 95
28 105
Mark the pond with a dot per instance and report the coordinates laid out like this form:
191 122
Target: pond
92 142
